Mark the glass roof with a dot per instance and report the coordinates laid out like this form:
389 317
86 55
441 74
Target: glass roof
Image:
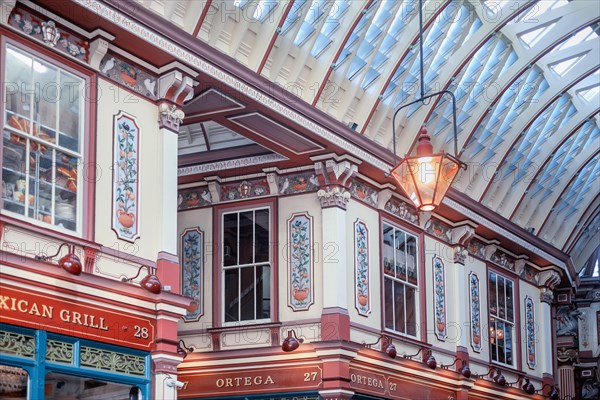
525 76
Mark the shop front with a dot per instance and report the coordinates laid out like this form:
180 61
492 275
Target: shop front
55 347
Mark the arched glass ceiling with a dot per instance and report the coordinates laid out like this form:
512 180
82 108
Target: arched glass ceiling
525 75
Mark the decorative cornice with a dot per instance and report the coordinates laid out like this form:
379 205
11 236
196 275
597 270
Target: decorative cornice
504 232
230 164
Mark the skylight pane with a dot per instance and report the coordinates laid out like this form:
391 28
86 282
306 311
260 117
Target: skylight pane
562 67
264 9
532 37
590 93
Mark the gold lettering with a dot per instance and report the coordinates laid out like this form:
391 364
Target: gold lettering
76 318
3 300
258 380
269 380
65 315
228 382
102 327
220 382
248 381
12 307
20 303
34 310
47 311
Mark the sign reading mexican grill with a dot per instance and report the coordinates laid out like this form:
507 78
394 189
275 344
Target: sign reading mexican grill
69 317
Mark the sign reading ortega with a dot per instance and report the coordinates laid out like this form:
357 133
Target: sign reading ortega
69 317
250 381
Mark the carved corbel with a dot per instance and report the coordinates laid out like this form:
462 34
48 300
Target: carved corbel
273 182
214 187
460 255
461 235
549 278
173 89
99 47
333 179
384 196
490 250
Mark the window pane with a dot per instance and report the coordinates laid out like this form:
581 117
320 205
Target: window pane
40 188
509 301
400 242
13 382
46 98
508 343
261 229
18 89
493 341
492 295
247 298
500 338
13 173
411 311
246 238
501 298
65 192
388 250
61 386
263 290
232 293
69 117
389 303
399 303
411 259
230 242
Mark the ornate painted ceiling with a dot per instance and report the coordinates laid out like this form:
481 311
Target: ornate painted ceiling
525 75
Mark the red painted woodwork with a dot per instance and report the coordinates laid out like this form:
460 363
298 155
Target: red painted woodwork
74 318
167 270
260 380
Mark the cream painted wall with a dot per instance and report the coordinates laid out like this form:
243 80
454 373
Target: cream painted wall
111 100
357 210
203 220
287 206
527 289
480 269
454 328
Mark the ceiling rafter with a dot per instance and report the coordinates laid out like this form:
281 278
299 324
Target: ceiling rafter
328 61
364 119
528 117
268 45
539 223
550 147
584 223
558 233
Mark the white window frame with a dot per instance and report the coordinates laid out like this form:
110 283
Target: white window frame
417 320
223 268
80 154
504 320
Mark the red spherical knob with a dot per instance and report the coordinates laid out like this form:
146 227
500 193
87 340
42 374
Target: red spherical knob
71 264
391 350
431 362
152 284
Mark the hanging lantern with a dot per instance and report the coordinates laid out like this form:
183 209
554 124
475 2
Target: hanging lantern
426 177
50 33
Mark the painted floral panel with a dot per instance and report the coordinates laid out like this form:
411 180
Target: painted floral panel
300 261
363 192
530 332
439 298
475 312
191 269
361 268
125 177
193 198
